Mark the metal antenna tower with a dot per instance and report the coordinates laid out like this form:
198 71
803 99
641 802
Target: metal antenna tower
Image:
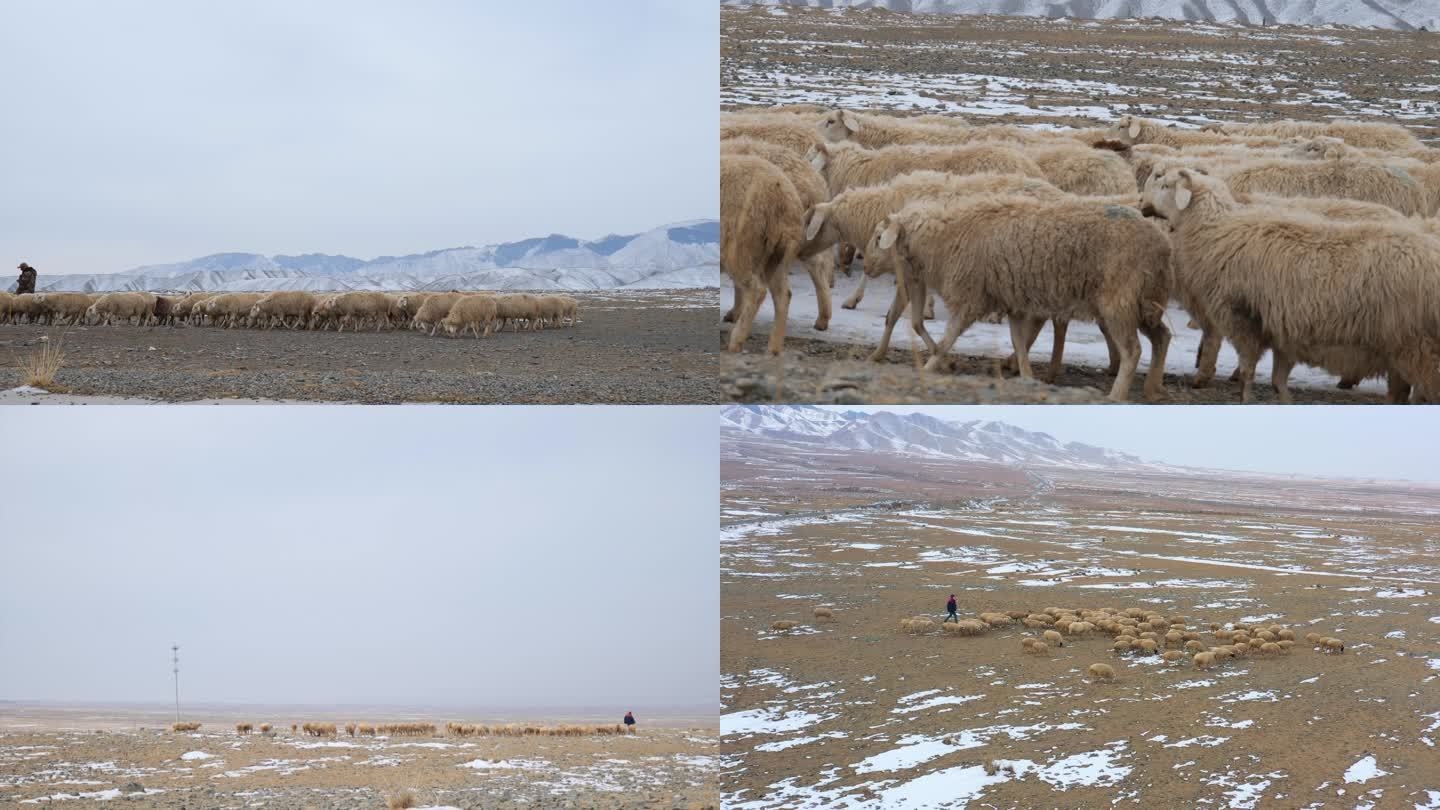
175 663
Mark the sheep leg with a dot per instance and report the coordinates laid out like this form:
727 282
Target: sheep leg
815 266
844 257
749 292
1057 346
1128 343
1159 336
1020 338
779 281
1250 349
1420 368
960 319
1281 364
1397 389
892 316
859 294
1205 357
929 306
1032 331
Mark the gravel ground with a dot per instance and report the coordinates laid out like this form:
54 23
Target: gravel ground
630 347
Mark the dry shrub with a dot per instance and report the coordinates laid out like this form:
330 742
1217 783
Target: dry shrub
39 367
401 800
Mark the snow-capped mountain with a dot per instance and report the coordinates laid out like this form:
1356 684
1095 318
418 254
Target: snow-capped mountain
1402 15
685 254
917 434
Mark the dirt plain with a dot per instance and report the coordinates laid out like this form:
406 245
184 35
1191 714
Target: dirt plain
855 713
54 755
631 347
1044 73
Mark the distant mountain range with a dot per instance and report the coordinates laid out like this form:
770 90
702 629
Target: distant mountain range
916 434
1402 15
684 254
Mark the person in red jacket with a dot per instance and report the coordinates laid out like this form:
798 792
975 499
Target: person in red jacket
950 610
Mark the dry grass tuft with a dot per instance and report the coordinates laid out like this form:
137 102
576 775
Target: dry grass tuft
401 800
39 367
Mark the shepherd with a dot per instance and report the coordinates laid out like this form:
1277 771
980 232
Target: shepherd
629 722
26 282
950 611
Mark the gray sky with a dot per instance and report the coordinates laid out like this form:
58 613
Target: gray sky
161 131
495 556
1344 440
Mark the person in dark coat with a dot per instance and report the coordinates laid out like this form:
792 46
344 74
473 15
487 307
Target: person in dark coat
26 284
630 722
950 610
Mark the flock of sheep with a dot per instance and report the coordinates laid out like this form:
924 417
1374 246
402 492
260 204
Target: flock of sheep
457 313
1136 632
1316 241
426 729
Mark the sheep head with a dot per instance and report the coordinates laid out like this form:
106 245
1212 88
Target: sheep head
838 125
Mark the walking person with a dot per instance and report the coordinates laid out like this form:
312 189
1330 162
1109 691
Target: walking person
26 282
629 722
950 611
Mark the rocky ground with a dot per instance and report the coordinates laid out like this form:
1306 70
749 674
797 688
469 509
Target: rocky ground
855 713
630 347
662 767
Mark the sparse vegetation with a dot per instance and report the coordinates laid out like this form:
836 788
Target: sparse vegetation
401 800
39 367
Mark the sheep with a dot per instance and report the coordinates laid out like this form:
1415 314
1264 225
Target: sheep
472 313
63 306
1053 637
123 306
243 728
281 307
918 625
1027 642
1302 286
1285 645
761 224
1101 672
360 307
1390 137
793 132
1204 660
1081 258
1313 638
554 309
844 166
1194 646
515 309
824 613
783 624
1131 130
1269 648
1173 656
431 310
1079 169
230 308
877 132
967 627
1333 645
264 728
185 726
811 187
1121 646
1347 179
1039 648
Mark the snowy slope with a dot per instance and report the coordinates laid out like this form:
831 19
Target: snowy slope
685 254
917 434
1404 15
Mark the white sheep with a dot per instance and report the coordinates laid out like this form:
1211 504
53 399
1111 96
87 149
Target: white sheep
474 313
847 165
290 309
761 225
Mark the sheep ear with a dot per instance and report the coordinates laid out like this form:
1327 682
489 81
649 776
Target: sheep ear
814 219
851 122
889 235
1182 196
1134 128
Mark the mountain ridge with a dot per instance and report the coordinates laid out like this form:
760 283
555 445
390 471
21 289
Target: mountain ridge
681 254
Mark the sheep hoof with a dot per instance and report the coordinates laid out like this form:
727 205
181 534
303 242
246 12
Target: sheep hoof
822 324
1200 381
1346 384
848 305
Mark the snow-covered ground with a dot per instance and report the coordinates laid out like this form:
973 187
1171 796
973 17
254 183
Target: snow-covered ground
1084 345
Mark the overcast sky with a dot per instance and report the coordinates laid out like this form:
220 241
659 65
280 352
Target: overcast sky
139 133
495 556
1343 440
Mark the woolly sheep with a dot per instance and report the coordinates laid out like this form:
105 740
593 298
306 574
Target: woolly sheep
783 625
824 613
969 627
1313 638
1040 648
472 313
796 133
1131 130
1079 169
1101 672
1204 660
1346 179
1269 648
229 309
1173 656
1390 137
66 307
1372 286
518 310
1333 645
282 307
1100 260
121 306
761 225
844 166
433 309
811 187
1053 637
359 308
